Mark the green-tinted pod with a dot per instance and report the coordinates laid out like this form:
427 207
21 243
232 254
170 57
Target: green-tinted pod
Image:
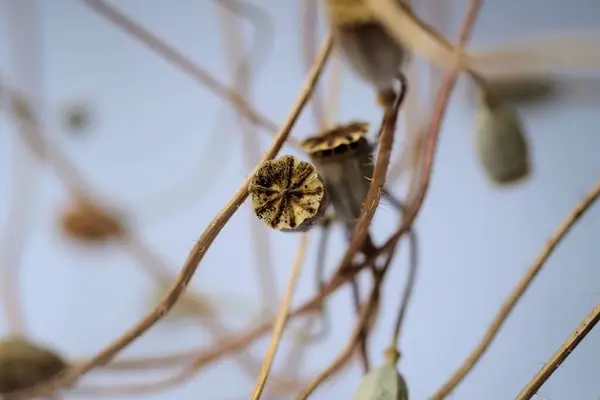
383 383
501 144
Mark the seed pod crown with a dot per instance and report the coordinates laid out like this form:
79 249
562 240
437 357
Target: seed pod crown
288 194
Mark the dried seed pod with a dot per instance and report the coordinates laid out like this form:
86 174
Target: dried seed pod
288 194
90 223
24 365
343 156
383 383
500 142
367 47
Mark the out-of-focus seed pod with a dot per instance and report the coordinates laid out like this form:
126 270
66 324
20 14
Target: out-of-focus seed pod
24 365
383 383
500 141
288 194
90 223
367 47
343 157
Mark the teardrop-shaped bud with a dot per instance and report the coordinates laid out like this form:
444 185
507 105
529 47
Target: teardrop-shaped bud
500 142
288 194
383 383
24 365
343 157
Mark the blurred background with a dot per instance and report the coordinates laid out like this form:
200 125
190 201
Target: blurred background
164 150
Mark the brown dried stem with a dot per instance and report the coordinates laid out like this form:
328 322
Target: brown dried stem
561 354
198 251
240 71
282 318
516 294
181 61
309 13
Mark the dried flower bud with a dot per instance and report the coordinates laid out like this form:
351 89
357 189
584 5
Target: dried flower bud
383 383
24 365
90 223
288 194
500 142
370 51
343 156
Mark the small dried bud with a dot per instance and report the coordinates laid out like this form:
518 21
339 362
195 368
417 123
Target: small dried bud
288 194
500 142
343 156
370 51
24 365
90 223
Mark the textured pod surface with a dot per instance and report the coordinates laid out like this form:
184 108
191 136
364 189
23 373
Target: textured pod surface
24 364
383 383
501 144
343 157
288 194
88 222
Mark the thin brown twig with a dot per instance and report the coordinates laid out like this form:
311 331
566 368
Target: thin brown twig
361 325
282 318
240 72
186 65
309 13
198 251
432 136
584 328
516 294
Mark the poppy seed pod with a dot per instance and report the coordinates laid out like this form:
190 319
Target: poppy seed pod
343 157
288 194
367 47
500 141
24 365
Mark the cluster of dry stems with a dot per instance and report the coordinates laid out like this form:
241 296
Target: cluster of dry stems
92 222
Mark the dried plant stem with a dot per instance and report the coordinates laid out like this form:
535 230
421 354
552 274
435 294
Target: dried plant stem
309 14
282 318
561 354
431 139
179 60
361 325
240 71
517 293
198 251
334 90
386 141
408 289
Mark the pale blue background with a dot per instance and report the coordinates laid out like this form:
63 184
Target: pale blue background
152 126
